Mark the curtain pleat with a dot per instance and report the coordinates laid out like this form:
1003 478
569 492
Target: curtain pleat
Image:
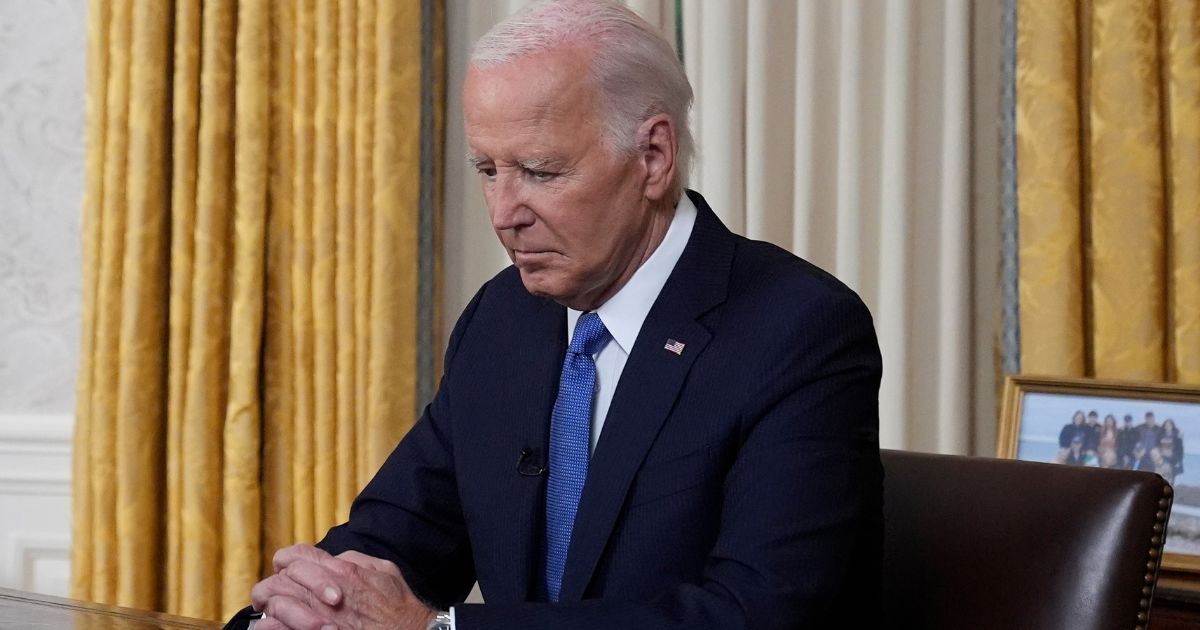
302 307
1107 153
396 161
841 131
279 382
1181 39
242 474
849 168
103 528
206 377
251 295
720 51
1126 185
364 193
83 513
186 125
324 261
1050 218
143 328
954 230
347 483
894 174
776 48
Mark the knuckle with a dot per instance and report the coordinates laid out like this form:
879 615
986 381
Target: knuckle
262 590
343 569
304 569
280 558
341 566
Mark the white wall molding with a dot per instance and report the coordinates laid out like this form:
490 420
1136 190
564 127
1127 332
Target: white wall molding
35 501
39 562
35 486
36 434
35 454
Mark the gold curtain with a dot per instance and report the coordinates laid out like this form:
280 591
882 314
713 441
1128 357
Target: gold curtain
251 223
1108 177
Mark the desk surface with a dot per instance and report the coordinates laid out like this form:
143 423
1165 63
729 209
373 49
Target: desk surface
28 610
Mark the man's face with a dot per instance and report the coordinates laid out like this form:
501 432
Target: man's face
570 212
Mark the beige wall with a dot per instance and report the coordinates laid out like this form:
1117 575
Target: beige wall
41 182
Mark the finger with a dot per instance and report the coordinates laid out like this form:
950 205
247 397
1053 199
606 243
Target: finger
288 555
317 579
295 614
277 585
370 562
270 623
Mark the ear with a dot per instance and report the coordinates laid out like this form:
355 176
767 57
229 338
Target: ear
658 147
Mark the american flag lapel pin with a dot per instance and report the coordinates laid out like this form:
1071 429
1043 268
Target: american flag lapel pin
674 346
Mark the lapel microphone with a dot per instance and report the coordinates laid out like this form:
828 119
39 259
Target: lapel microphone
529 463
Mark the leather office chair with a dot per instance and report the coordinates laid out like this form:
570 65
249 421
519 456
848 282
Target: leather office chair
974 542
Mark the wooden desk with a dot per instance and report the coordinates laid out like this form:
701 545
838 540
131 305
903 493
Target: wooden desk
27 610
1175 609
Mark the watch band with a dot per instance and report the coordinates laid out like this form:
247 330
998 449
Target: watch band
440 622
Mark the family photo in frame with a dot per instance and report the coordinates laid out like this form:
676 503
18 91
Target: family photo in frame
1110 424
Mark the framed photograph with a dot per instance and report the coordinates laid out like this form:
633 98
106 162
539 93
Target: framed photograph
1113 424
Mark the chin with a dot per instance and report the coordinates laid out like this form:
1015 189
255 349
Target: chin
544 285
537 283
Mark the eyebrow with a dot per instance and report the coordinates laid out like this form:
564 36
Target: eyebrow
536 164
533 164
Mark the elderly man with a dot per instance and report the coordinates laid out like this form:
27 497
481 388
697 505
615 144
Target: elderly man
646 421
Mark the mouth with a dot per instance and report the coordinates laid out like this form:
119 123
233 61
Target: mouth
530 254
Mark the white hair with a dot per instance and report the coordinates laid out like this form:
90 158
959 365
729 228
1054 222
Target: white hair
635 71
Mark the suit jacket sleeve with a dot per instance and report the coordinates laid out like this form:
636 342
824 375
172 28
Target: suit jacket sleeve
801 523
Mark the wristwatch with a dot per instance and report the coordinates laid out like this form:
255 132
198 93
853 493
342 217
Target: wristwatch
440 622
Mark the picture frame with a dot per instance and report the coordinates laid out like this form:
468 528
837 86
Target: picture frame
1037 416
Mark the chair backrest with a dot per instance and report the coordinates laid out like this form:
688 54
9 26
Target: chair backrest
974 542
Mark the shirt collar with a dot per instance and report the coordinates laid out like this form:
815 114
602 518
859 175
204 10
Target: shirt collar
625 312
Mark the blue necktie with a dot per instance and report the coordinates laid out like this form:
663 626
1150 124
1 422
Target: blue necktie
570 435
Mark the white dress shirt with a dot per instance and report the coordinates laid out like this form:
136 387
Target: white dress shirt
625 312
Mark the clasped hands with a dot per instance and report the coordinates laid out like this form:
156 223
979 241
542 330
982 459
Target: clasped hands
313 590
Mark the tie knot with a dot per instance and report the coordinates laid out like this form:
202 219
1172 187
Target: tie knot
590 335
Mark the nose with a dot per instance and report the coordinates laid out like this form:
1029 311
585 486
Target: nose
507 203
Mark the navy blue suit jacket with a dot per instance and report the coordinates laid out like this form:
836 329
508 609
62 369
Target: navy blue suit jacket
735 485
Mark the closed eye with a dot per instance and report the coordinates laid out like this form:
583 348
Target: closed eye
482 165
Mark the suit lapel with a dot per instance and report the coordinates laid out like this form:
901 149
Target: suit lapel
649 385
526 428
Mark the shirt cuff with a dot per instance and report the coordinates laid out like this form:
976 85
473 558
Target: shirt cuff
453 625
